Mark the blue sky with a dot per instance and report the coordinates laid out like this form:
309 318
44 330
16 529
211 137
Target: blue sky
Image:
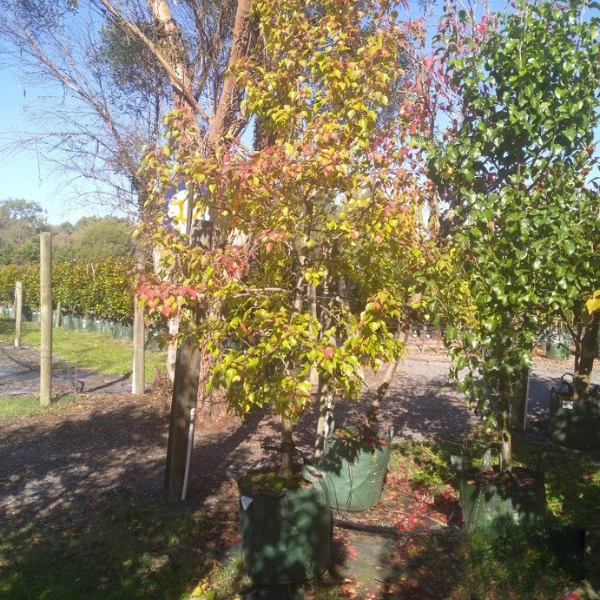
21 176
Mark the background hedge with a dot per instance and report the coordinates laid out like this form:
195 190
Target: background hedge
102 289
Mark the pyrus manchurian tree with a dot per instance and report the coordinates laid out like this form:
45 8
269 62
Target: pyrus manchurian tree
513 170
328 195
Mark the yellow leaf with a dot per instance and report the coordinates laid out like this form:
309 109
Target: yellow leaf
593 304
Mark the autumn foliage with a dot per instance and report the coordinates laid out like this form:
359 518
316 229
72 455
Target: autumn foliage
316 231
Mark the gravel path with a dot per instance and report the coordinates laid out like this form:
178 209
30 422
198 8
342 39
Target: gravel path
107 444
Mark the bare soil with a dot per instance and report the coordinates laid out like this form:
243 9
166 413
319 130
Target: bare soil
109 444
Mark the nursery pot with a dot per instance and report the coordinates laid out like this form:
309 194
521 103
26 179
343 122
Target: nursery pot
575 424
355 471
557 348
286 534
494 499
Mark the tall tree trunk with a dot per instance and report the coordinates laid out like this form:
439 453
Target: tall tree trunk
312 299
325 404
189 362
185 390
288 447
403 329
372 412
506 389
506 450
325 401
226 115
138 387
518 416
585 362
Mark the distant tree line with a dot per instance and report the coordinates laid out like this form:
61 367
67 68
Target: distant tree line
91 239
92 270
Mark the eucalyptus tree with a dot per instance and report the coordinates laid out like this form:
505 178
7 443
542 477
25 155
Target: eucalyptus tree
109 73
97 58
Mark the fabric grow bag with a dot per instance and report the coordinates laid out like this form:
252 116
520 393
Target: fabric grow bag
355 472
286 535
500 499
575 424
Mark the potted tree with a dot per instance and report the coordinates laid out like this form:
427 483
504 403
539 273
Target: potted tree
291 219
506 203
575 403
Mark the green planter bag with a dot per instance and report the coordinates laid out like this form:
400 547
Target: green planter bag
575 424
355 472
494 499
557 347
286 534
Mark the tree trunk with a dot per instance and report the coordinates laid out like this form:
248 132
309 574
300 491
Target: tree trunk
173 327
518 417
288 447
46 318
312 299
585 364
372 412
186 388
138 385
506 450
18 312
325 400
325 414
506 389
184 399
231 97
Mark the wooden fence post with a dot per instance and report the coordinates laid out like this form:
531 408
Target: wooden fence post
18 312
139 341
46 318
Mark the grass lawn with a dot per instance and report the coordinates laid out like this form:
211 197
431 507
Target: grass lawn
88 350
23 407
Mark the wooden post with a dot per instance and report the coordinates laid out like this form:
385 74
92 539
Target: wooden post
46 318
185 389
57 317
139 342
138 381
18 312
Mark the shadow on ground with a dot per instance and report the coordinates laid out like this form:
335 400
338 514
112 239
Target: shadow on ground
83 515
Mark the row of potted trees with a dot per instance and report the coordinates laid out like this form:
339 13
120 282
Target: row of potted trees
319 258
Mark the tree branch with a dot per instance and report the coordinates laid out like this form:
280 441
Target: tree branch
176 80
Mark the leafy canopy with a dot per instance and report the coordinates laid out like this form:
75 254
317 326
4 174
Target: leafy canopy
327 198
513 170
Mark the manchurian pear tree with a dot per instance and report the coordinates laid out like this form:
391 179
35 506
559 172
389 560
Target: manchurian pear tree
326 196
512 169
